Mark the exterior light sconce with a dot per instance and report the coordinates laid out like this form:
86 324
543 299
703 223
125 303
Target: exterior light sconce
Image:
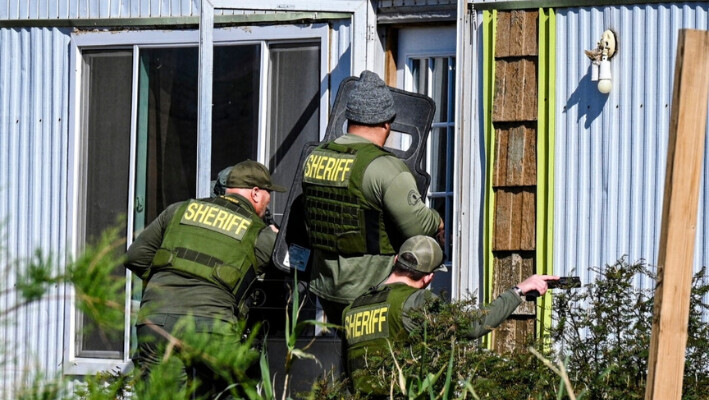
600 61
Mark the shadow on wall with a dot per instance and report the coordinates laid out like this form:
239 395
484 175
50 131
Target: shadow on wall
589 100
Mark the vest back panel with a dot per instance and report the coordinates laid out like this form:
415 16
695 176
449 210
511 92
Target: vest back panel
339 218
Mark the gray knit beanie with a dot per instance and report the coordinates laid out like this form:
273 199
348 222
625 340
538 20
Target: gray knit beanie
370 101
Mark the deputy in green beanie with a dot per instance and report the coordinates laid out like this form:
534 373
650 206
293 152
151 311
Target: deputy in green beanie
198 258
361 202
387 314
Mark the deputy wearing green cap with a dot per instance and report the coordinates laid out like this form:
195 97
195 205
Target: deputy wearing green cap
361 201
385 315
198 258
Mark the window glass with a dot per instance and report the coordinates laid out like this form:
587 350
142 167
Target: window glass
235 99
170 162
435 77
170 165
106 122
166 141
294 111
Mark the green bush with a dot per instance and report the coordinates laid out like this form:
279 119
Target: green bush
599 341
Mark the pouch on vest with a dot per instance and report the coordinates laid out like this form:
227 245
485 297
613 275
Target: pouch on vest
227 275
351 242
162 258
230 275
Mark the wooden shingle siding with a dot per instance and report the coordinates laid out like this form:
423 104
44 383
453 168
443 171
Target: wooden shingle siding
513 335
515 156
514 175
515 90
517 34
510 269
514 219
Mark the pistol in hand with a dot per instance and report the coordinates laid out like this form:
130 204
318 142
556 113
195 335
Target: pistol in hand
564 282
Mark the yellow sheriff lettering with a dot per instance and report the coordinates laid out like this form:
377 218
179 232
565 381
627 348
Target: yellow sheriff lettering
201 211
323 168
365 323
343 169
221 219
210 215
191 209
216 218
309 165
331 161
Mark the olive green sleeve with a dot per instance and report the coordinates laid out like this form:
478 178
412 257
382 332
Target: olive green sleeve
476 324
417 301
140 253
389 179
265 242
492 315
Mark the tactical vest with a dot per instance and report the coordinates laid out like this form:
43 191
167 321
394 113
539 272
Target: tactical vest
339 218
212 239
372 322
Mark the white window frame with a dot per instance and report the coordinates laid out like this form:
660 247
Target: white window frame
428 51
363 29
136 40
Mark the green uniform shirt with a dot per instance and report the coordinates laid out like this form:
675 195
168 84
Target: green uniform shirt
389 182
490 317
170 293
366 337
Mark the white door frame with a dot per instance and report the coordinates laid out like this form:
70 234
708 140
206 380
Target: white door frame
362 14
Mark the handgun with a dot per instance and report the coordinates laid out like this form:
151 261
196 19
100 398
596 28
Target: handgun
564 282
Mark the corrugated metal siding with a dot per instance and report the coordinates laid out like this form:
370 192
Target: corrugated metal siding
34 95
34 75
71 9
414 3
93 9
611 150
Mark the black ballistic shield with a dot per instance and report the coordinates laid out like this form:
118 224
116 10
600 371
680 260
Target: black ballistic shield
414 115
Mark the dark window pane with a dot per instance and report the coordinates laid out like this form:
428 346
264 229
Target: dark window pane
294 112
440 88
106 100
170 166
438 144
235 99
451 91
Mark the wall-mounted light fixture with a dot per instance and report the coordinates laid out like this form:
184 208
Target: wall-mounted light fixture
600 61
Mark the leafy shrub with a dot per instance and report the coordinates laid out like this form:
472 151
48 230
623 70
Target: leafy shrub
600 340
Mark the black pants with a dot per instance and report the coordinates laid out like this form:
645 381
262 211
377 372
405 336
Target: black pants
333 310
188 367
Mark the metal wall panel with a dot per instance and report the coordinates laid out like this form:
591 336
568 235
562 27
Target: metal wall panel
413 3
34 210
34 75
85 9
611 150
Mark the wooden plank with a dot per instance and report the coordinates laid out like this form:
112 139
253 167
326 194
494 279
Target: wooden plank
499 170
513 335
392 42
510 269
515 156
515 97
528 220
514 219
517 33
679 216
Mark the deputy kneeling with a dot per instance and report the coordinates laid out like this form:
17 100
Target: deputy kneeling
387 314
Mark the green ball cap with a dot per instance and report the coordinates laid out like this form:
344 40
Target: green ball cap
422 254
248 174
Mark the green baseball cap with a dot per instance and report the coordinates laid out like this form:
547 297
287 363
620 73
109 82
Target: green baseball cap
248 174
421 253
